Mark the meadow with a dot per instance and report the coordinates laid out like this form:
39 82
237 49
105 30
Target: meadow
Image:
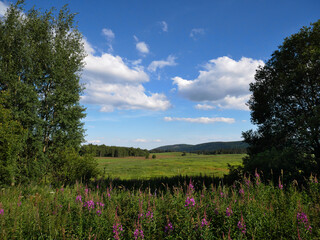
246 210
168 165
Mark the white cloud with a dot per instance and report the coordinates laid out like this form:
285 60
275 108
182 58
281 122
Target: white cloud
142 47
110 36
223 83
3 8
164 26
205 120
108 33
112 84
204 107
162 63
196 32
140 140
94 141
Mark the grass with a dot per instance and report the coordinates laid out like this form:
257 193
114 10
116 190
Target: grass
246 210
168 165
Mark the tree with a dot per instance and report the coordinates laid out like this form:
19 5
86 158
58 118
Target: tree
41 57
285 105
12 138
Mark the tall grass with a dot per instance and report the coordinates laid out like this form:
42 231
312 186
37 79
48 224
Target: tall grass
246 210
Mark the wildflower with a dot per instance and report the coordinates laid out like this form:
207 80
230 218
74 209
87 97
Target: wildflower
247 181
86 190
19 204
221 194
191 187
61 189
117 229
79 198
204 222
101 204
241 191
168 228
280 185
89 204
228 212
216 211
190 202
1 211
138 233
241 225
303 219
99 212
149 214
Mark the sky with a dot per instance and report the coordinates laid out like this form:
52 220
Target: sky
170 72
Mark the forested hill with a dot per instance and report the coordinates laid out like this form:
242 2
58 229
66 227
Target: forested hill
211 147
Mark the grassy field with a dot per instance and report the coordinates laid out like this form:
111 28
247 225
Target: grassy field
168 165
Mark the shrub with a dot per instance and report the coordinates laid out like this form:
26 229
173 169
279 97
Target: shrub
68 166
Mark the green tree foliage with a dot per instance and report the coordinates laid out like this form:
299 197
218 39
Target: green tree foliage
112 151
41 57
68 167
12 139
285 106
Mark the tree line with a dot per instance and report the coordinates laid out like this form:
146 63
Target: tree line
112 151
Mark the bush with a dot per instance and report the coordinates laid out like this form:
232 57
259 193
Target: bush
68 167
154 156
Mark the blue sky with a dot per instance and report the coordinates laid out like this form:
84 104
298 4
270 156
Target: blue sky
169 72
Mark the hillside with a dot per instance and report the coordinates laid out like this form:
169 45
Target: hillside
203 147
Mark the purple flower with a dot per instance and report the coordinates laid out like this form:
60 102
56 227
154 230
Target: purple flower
99 212
149 214
204 222
221 194
168 228
242 227
19 204
138 233
303 219
190 202
241 191
1 211
228 212
89 204
79 198
117 229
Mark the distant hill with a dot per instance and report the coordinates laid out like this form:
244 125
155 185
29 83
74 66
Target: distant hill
211 147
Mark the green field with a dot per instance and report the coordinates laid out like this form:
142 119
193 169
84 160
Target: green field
168 165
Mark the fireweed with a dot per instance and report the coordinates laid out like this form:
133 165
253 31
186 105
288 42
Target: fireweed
262 212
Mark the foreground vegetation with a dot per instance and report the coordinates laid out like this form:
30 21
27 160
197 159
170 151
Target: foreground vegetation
168 165
190 210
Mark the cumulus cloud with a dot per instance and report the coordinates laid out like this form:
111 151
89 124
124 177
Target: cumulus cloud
154 65
112 84
3 8
205 120
223 83
196 32
204 107
164 26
